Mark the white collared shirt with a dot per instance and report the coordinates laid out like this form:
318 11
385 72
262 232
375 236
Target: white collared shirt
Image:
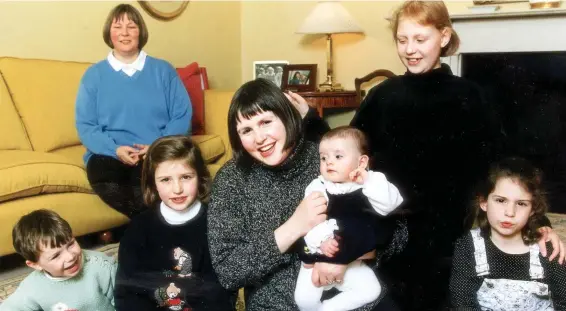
129 69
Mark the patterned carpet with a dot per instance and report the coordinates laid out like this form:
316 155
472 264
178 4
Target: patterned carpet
9 285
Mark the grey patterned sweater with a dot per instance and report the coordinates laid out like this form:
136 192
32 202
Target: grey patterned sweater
245 209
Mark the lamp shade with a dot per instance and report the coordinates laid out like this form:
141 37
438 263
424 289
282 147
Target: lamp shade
329 17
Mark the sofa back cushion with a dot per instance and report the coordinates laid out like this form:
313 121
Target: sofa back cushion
14 135
44 94
195 82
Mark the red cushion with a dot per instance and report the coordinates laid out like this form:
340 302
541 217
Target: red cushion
191 78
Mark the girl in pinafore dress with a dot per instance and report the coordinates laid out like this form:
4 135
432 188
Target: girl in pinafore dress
498 265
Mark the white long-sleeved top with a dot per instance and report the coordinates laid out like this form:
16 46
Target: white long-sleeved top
383 196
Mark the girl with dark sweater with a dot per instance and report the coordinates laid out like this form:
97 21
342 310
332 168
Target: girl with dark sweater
498 265
433 135
164 261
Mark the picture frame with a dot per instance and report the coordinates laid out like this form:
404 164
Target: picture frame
269 69
299 78
164 10
489 2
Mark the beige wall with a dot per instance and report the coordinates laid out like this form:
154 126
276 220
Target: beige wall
268 33
226 37
207 32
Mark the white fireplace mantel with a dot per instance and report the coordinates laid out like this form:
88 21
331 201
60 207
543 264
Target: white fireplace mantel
511 31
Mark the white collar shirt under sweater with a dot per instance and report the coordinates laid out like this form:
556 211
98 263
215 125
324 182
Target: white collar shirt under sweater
91 290
129 69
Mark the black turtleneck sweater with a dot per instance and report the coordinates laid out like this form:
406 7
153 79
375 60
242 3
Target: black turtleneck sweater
245 209
433 136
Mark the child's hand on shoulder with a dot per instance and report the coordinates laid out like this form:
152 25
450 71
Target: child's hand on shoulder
359 175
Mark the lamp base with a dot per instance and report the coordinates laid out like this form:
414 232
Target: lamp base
330 87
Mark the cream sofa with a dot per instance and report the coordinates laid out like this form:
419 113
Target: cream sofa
41 162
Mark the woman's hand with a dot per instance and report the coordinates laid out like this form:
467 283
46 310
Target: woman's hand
127 155
549 235
326 273
308 214
298 102
142 150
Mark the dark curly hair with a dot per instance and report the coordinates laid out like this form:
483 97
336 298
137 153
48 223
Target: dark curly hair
528 176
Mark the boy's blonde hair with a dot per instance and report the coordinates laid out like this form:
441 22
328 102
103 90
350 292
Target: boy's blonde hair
40 228
348 132
427 13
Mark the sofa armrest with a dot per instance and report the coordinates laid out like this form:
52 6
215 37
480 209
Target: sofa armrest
216 105
558 222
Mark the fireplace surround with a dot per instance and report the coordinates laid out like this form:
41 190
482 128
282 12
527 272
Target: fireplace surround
519 59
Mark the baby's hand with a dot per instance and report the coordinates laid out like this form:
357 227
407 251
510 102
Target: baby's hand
359 176
329 248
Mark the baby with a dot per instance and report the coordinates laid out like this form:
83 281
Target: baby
358 200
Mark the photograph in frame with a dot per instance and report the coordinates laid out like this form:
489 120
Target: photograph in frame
299 78
271 70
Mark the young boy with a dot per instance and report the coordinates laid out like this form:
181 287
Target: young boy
358 200
66 277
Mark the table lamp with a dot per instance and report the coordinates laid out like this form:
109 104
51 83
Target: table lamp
329 17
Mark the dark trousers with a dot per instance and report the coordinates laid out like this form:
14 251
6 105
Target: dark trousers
419 286
117 184
418 277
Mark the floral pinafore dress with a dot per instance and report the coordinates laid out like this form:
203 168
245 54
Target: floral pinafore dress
505 294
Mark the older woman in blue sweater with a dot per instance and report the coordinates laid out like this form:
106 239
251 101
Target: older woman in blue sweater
124 103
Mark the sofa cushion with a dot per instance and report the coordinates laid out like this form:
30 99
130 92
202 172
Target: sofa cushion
44 93
28 173
14 135
217 122
86 213
211 146
74 154
192 79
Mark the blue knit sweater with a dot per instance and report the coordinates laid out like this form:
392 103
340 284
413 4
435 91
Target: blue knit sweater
113 109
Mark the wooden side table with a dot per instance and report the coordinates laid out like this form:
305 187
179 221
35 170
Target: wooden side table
325 100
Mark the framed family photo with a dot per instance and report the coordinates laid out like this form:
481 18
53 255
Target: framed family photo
271 70
299 78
